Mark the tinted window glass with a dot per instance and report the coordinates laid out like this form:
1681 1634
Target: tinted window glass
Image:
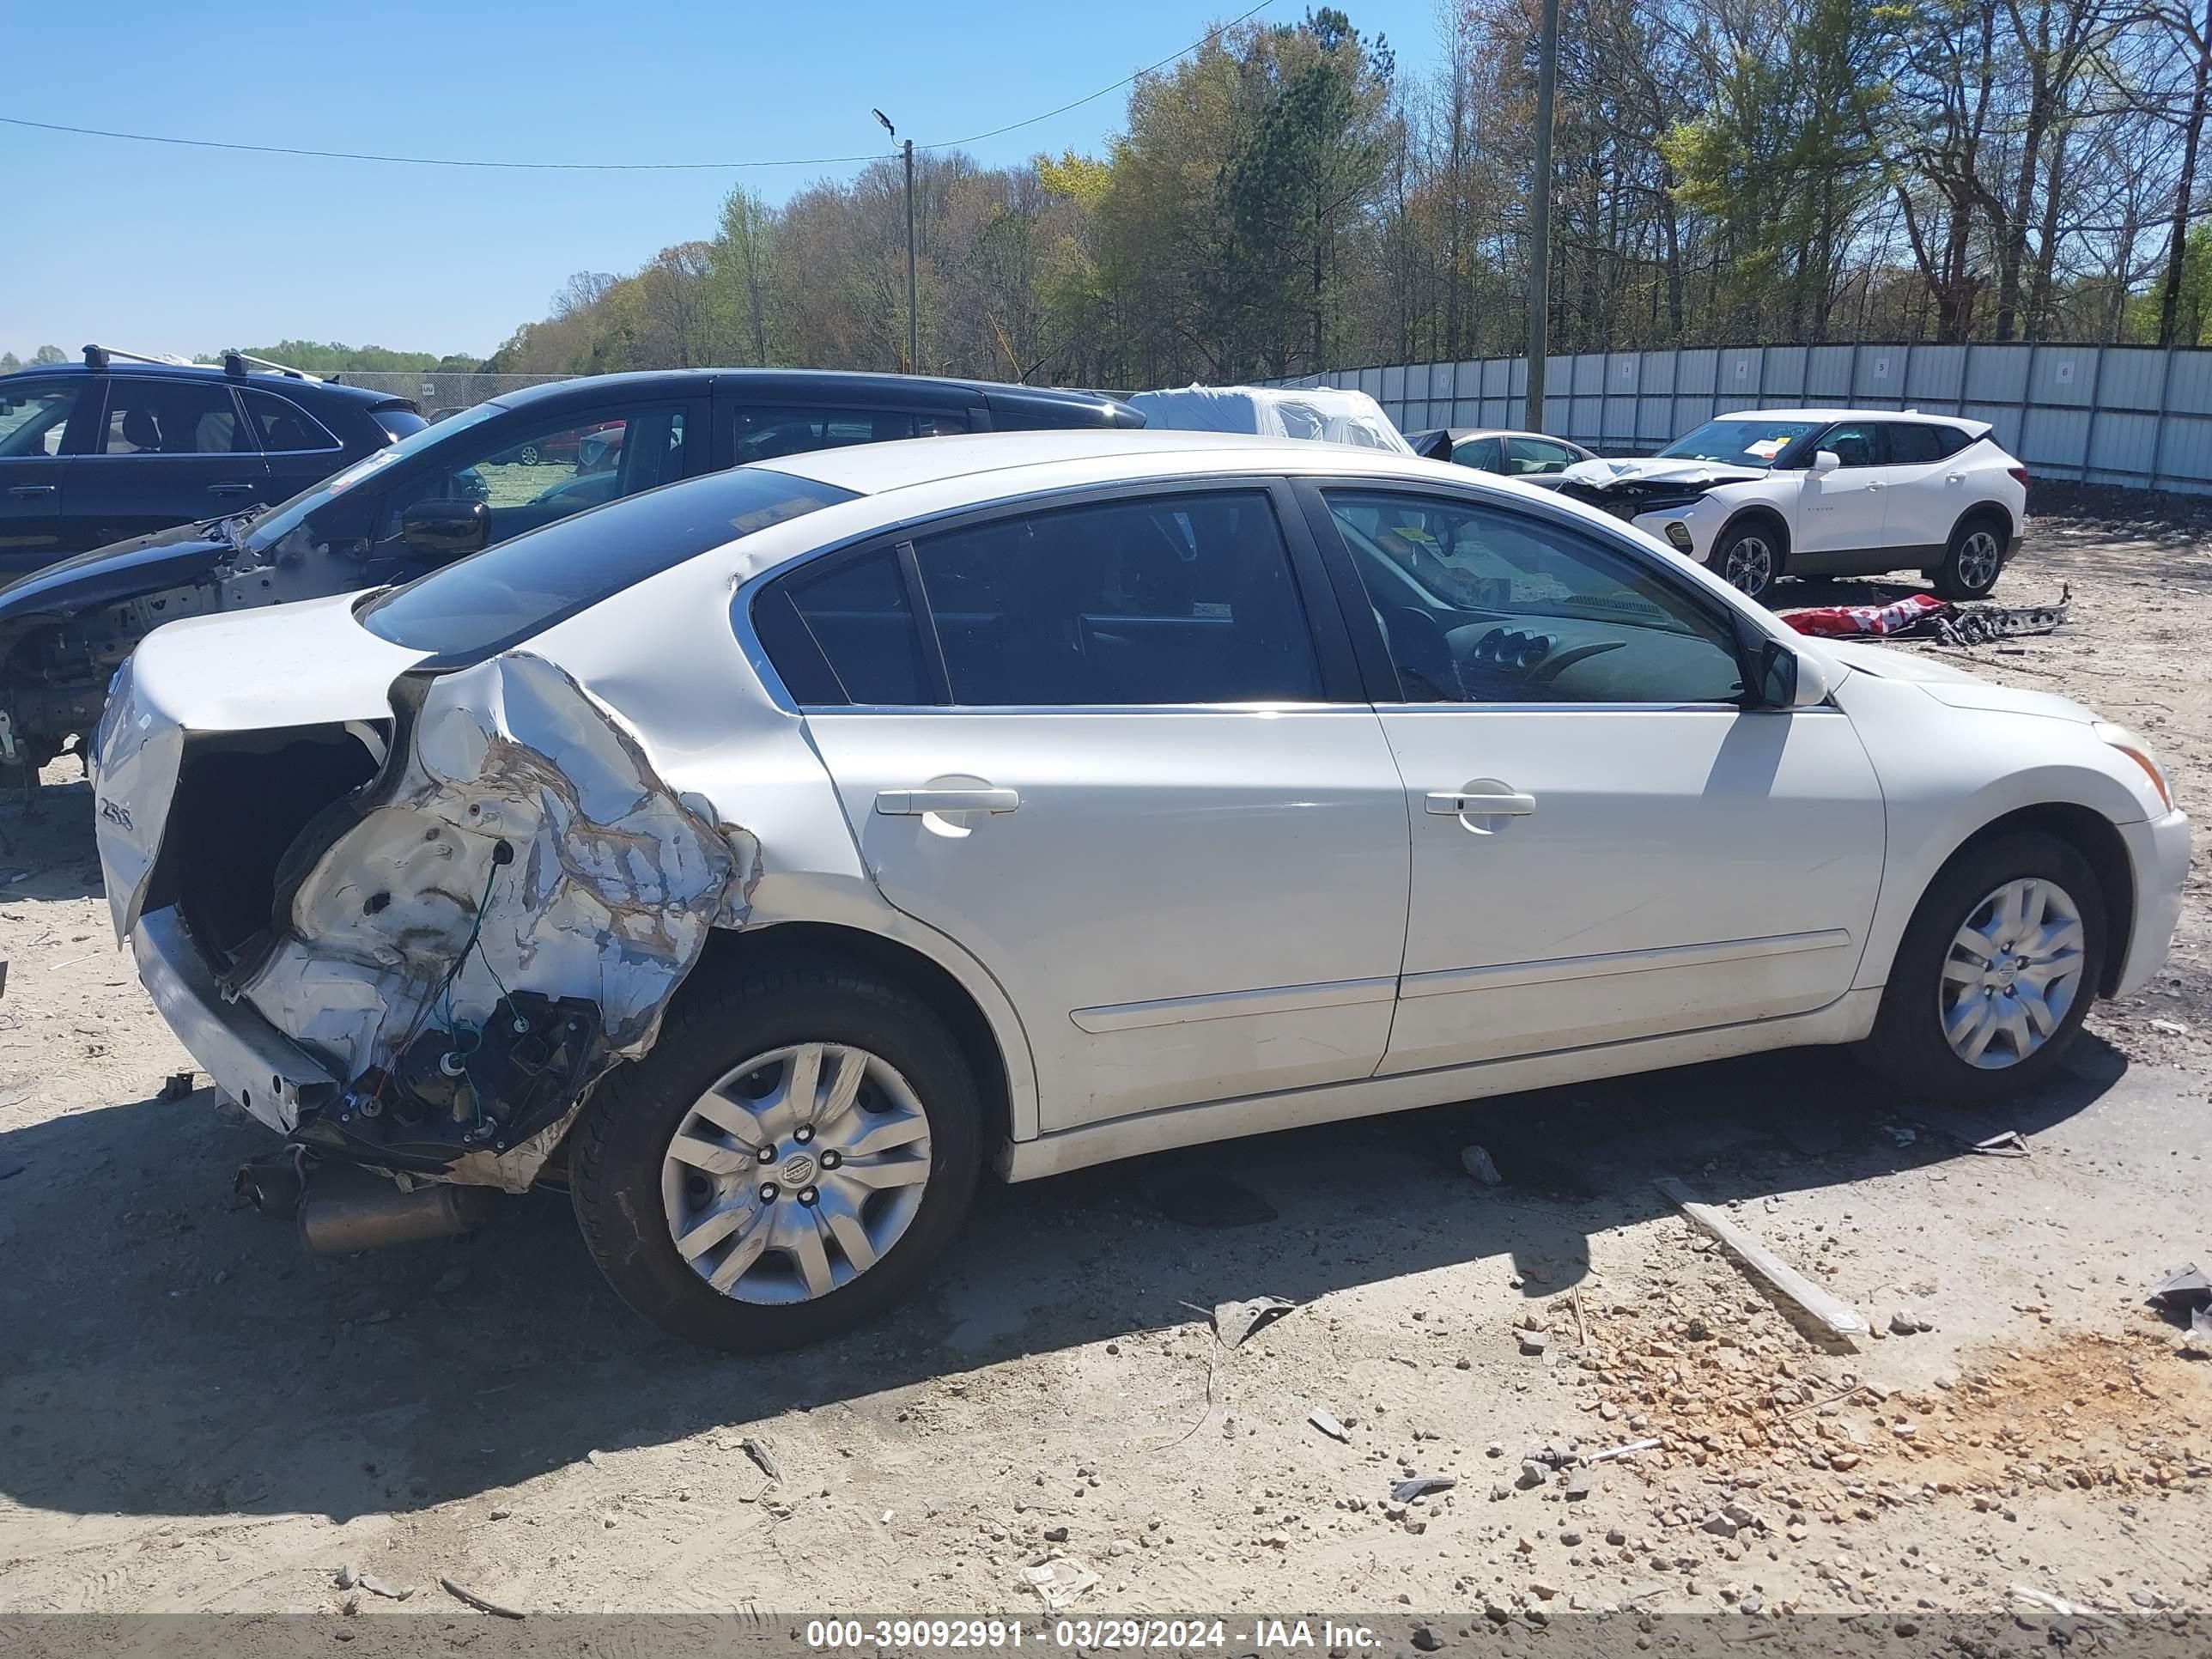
1157 600
1527 456
858 618
282 521
765 434
1484 454
33 416
534 476
1857 443
506 594
1482 605
283 425
172 417
400 423
1916 442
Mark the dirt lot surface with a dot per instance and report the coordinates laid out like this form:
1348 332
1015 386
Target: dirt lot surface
194 1415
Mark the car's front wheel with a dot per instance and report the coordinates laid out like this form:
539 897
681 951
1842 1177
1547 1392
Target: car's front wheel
1996 971
794 1154
528 455
1748 557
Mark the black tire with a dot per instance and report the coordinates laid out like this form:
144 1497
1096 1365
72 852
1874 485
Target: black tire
1749 556
617 1145
1973 560
1908 1044
528 454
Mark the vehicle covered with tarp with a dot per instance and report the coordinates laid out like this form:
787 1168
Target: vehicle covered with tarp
1320 412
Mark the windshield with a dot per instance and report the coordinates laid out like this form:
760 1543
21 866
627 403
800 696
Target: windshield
1738 443
495 598
281 521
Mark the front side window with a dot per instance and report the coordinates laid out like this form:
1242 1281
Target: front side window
496 598
1855 443
283 426
172 417
32 418
536 476
1738 443
1155 599
765 434
1477 604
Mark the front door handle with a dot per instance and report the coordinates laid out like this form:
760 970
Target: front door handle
1451 804
29 492
230 489
912 803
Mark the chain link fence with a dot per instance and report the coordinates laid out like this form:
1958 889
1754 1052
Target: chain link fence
2133 415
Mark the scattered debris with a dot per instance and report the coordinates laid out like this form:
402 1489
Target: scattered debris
375 1586
2197 1344
1233 1321
1059 1579
1836 1316
1421 1486
763 1459
2007 1143
347 1576
1534 1342
2060 1606
481 1603
1578 1485
178 1086
1329 1425
1649 1442
1980 625
1905 1322
2185 1291
2168 1027
1476 1161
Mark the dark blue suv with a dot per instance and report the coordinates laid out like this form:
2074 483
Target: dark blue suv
97 452
520 461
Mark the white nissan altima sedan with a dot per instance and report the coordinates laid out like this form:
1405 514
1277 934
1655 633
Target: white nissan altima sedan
767 854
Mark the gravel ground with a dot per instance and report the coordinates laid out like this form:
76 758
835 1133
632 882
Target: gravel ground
196 1416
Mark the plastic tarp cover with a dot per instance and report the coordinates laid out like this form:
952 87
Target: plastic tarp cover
1322 413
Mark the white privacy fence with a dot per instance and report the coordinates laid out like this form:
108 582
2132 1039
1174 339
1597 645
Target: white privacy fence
2134 416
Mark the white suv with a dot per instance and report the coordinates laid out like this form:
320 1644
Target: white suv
769 855
1770 492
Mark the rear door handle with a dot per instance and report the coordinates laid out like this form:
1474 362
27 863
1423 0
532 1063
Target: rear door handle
1446 805
29 492
912 803
230 489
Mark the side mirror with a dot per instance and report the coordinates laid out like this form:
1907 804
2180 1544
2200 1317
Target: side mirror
1783 678
446 530
1826 460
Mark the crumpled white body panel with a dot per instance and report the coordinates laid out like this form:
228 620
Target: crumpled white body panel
615 882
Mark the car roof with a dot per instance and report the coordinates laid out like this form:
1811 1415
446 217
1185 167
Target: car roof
1461 434
261 380
1158 452
905 389
1912 415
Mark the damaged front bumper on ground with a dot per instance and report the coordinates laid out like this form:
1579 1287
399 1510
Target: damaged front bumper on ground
416 961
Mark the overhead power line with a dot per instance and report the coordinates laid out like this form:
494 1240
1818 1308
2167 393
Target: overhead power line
611 167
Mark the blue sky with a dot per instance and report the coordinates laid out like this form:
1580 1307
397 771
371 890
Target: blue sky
162 249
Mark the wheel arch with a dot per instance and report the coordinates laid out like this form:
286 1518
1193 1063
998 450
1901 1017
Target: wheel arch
2099 843
1984 510
906 965
1764 512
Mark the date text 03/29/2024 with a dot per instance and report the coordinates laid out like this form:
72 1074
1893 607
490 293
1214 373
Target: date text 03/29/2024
1088 1635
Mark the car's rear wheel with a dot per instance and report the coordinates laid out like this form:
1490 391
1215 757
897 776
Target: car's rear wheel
528 454
798 1148
1971 563
1748 557
1996 971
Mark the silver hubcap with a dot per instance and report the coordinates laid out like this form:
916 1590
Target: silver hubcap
1750 563
2014 970
796 1173
1977 559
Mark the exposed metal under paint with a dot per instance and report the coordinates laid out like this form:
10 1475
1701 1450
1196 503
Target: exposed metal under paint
503 913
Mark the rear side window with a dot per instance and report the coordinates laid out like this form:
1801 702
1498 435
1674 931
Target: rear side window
172 417
496 598
282 425
399 423
1912 444
848 635
1483 454
765 434
1154 599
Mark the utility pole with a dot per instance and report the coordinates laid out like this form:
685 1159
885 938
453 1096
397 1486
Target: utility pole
913 301
1539 214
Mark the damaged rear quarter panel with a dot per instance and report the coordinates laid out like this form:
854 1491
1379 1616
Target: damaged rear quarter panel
613 883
